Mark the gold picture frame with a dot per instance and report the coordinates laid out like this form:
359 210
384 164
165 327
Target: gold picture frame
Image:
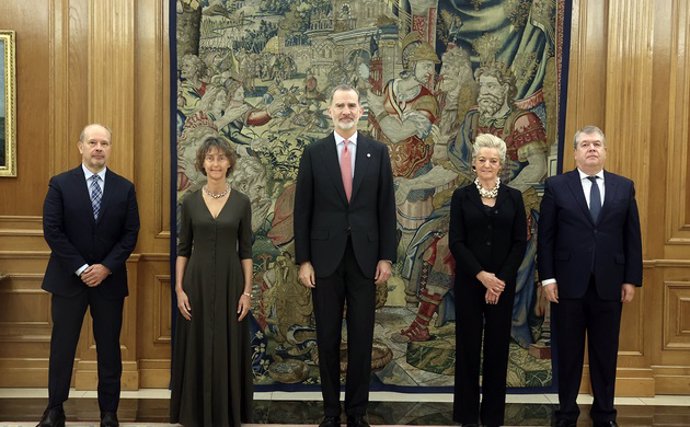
8 141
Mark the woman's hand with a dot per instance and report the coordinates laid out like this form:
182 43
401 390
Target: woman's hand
491 298
491 282
243 306
183 305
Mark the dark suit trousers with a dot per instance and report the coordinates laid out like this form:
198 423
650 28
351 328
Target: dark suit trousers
600 319
68 316
346 284
475 318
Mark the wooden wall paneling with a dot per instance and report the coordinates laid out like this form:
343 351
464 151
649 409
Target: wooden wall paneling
665 25
111 43
152 124
153 182
628 99
629 92
111 76
586 87
28 20
154 336
677 229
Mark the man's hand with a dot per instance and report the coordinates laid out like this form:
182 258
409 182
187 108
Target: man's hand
306 275
383 271
94 275
551 292
627 292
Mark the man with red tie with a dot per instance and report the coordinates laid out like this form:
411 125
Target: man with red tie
345 244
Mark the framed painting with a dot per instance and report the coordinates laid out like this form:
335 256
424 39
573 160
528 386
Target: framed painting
8 142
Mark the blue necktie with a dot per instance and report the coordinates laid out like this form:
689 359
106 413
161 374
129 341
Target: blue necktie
96 195
594 199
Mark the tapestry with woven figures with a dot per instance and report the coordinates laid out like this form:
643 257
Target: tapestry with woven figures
259 73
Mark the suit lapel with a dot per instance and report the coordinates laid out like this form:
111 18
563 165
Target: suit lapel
82 191
573 179
108 184
329 155
362 162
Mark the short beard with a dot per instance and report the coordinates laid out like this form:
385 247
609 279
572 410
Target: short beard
345 125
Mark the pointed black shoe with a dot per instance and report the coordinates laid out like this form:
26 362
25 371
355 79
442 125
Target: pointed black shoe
109 419
53 417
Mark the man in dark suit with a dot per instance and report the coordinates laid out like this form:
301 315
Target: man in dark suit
590 261
345 244
91 222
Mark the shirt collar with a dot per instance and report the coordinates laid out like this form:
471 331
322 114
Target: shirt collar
584 176
88 174
339 139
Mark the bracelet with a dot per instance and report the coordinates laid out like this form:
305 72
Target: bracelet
247 294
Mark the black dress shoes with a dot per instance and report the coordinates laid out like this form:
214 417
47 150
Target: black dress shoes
109 419
565 423
53 417
330 422
357 421
606 424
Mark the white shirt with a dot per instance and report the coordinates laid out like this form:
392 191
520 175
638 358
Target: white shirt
88 174
586 188
101 183
340 144
587 184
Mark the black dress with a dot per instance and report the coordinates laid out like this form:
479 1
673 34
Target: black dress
212 381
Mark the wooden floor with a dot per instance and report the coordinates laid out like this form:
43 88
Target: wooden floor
23 407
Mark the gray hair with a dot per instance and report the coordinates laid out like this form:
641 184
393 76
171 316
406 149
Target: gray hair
486 140
588 130
345 88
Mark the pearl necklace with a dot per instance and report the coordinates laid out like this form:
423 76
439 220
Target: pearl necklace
487 194
217 195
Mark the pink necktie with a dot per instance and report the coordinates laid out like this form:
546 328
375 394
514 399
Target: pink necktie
346 169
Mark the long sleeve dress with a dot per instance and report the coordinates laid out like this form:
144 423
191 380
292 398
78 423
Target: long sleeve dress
211 376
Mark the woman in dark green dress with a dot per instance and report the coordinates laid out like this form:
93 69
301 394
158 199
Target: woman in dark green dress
211 376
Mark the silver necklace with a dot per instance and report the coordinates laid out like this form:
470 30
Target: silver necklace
217 195
487 194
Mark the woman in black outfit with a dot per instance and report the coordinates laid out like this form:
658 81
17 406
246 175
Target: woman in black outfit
487 236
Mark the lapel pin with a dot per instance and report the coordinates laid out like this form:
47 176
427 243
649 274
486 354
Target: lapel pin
368 154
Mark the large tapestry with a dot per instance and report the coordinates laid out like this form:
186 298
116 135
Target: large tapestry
431 75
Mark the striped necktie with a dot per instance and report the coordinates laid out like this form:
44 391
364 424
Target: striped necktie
96 195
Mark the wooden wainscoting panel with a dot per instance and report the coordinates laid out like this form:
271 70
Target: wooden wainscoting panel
676 312
155 326
672 379
154 373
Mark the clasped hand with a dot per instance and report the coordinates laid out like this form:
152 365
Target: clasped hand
94 275
494 286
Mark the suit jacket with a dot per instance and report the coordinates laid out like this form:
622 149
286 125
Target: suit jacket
571 247
323 217
492 240
75 238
